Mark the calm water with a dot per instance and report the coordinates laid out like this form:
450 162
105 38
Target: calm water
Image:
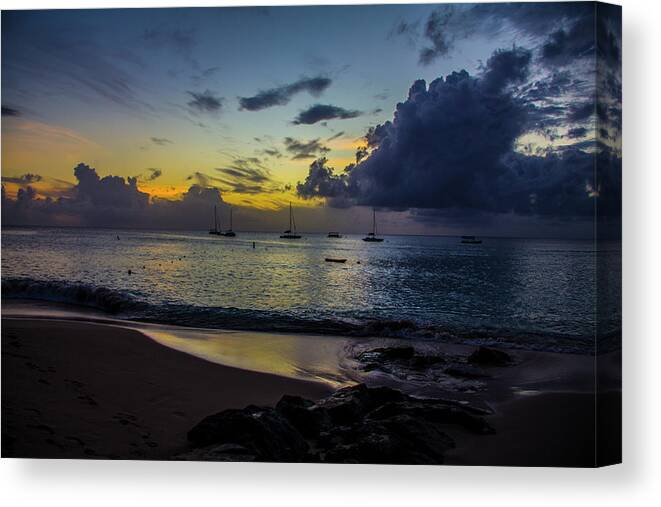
539 293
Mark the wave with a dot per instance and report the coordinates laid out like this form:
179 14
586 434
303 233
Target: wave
136 307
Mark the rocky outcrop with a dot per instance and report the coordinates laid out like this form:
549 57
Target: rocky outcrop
356 424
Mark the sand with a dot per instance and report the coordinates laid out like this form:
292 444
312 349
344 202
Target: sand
86 390
76 389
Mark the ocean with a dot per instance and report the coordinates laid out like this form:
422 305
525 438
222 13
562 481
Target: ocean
536 294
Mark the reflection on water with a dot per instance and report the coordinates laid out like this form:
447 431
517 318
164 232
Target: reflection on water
319 358
509 284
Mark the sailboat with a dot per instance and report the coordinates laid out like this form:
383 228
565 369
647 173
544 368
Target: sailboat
229 233
291 232
215 231
371 237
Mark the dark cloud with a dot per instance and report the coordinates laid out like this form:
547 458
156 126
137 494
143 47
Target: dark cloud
24 179
581 112
10 111
271 152
438 34
566 45
577 132
322 112
506 67
282 95
205 102
154 174
335 136
448 24
160 141
450 148
304 149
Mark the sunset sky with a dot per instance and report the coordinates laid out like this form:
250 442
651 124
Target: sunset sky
194 106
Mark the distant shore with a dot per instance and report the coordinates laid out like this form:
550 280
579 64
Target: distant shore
76 389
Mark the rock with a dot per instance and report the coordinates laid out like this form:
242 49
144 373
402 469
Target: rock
303 415
485 356
222 452
435 412
264 432
357 424
346 406
397 440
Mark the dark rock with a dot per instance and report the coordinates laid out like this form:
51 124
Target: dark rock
348 405
484 356
357 424
303 415
435 412
263 431
222 452
397 440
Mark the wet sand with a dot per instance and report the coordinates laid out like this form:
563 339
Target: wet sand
86 390
75 389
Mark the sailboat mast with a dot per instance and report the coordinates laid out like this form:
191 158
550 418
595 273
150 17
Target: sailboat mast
373 221
215 219
290 217
231 218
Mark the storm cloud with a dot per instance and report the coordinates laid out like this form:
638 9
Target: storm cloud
322 112
282 95
451 147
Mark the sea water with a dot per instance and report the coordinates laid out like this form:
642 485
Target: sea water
529 293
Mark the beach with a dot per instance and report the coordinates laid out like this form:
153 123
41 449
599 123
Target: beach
81 389
86 390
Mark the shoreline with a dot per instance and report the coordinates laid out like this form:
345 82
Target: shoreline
87 390
142 394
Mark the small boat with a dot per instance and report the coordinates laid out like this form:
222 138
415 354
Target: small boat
371 237
229 233
334 235
215 231
330 259
291 232
470 240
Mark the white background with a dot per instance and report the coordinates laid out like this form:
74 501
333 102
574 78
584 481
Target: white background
636 482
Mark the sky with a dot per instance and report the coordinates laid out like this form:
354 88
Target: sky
494 119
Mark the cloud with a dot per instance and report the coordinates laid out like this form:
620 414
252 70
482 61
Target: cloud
436 33
24 179
205 102
304 149
449 24
282 95
111 201
335 136
451 148
154 174
160 141
10 111
321 112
